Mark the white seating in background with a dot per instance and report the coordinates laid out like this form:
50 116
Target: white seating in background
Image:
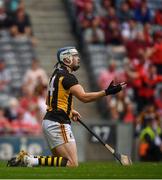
18 54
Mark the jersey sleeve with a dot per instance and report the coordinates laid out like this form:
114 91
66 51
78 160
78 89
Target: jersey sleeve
69 81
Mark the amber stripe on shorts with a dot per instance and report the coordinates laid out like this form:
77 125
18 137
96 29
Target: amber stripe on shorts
64 133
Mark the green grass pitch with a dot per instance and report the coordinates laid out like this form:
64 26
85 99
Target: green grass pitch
87 170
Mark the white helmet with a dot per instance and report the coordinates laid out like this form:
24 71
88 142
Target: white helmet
66 52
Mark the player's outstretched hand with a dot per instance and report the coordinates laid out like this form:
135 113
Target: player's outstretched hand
113 89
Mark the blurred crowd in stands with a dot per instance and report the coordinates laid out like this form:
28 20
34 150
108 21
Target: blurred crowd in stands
21 112
14 18
134 28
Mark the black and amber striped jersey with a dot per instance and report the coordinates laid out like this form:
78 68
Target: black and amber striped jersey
59 99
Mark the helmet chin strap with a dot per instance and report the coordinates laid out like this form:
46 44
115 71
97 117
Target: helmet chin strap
62 63
66 65
75 68
70 62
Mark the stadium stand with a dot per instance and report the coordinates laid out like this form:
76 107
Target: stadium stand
133 37
100 55
16 56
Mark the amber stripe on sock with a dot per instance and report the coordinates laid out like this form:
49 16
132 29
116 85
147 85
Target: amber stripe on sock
52 161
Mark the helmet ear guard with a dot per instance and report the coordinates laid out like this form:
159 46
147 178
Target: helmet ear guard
66 59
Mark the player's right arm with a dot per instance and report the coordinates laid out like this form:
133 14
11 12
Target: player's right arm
78 91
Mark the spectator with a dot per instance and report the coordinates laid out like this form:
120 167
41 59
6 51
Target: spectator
111 15
35 76
124 13
21 23
133 4
138 65
5 20
4 124
117 106
103 6
129 115
12 6
142 14
5 78
108 75
94 34
80 4
31 122
133 46
158 17
85 18
28 98
150 147
17 126
148 112
115 38
26 123
40 93
12 110
158 102
148 86
155 52
133 78
141 62
129 30
147 33
30 112
112 34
